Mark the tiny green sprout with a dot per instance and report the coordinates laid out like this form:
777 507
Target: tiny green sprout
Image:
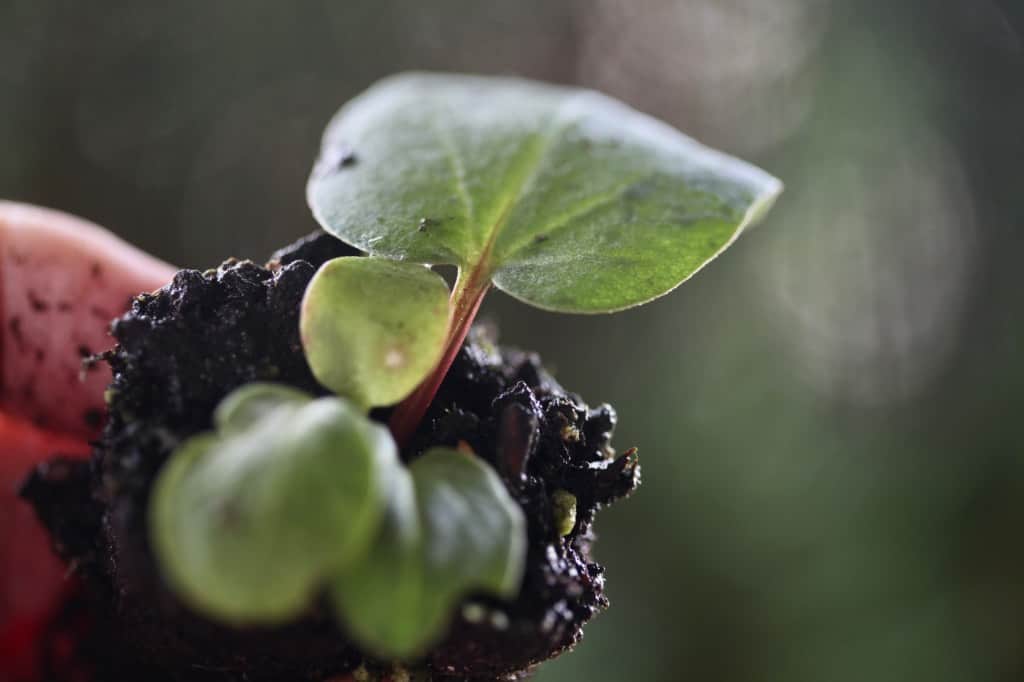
563 511
563 198
292 497
373 328
250 519
452 530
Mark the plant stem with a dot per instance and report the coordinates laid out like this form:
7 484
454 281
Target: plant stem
466 297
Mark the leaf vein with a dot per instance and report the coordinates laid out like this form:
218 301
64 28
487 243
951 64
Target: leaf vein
584 208
533 164
458 170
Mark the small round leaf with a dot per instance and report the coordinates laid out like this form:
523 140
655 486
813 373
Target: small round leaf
372 328
249 522
451 529
248 405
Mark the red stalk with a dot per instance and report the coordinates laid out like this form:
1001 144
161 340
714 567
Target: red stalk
466 297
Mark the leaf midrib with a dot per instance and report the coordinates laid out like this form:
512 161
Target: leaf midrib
525 173
458 170
568 218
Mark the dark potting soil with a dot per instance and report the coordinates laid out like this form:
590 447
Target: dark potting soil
180 351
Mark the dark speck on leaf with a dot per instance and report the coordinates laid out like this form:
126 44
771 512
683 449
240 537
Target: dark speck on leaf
348 158
335 160
639 190
343 157
230 517
426 223
540 238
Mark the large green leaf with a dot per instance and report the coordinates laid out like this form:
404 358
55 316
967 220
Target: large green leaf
373 328
568 199
249 522
451 528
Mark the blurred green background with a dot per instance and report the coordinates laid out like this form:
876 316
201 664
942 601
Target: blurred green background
827 416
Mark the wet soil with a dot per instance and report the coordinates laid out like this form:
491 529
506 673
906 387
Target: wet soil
180 351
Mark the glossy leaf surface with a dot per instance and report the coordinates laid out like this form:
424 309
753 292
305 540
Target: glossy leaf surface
568 199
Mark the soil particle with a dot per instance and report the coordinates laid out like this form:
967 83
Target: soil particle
180 351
